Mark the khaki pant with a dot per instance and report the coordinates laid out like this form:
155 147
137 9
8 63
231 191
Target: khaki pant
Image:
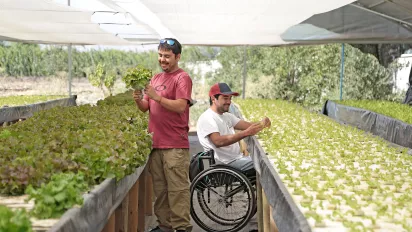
170 172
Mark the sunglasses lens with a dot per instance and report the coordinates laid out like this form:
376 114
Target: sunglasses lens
168 41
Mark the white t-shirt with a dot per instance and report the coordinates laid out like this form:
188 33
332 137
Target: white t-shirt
210 122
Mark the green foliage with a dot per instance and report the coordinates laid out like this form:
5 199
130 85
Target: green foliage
25 100
392 109
339 165
60 194
102 141
100 77
14 221
121 99
304 74
137 78
19 59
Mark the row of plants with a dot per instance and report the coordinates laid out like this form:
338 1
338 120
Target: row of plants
339 177
395 110
58 154
25 100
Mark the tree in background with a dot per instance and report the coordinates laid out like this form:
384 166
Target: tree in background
304 74
101 78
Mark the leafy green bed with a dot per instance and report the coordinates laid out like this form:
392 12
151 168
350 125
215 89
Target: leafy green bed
25 100
88 144
338 176
395 110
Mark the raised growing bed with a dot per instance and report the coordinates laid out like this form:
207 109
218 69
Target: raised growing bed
16 113
392 123
324 176
105 147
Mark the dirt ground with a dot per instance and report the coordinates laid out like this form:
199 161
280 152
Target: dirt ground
86 93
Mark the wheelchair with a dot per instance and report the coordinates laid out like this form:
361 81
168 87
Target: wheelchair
222 198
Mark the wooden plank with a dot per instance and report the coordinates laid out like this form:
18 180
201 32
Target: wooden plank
110 226
273 227
122 213
149 195
141 202
132 207
259 203
266 212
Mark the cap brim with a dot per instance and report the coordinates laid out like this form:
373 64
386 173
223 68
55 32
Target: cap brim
230 93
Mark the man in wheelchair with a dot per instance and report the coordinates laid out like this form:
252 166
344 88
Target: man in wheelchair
216 130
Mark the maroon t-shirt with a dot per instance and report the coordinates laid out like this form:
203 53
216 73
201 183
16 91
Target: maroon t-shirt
170 129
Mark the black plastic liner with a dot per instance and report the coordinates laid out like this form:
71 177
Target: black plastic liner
11 114
388 128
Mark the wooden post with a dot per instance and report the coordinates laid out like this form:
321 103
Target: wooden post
122 213
132 208
141 202
266 212
259 203
273 226
149 194
110 225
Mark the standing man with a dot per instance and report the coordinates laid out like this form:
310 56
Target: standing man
167 98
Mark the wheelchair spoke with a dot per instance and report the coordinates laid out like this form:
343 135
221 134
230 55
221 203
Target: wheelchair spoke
222 199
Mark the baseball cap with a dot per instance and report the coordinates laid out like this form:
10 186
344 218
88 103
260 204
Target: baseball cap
223 89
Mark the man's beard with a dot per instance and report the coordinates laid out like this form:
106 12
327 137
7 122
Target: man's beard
223 109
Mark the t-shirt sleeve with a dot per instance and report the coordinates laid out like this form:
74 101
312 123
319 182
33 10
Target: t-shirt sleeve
206 127
233 119
184 88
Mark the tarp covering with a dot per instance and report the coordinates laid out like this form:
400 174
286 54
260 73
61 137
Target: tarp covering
388 128
371 21
42 21
213 22
286 214
10 114
234 22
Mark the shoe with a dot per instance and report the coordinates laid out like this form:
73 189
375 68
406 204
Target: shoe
157 229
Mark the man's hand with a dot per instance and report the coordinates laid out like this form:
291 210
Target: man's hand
266 122
253 129
151 93
137 95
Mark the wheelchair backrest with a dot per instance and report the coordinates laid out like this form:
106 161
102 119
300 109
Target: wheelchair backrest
199 162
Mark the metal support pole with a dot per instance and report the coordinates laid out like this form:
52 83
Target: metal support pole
70 63
244 72
70 70
342 69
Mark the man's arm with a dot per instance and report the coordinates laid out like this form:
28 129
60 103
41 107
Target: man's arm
226 140
243 125
178 105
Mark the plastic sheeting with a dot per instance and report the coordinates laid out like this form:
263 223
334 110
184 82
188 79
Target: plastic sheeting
371 21
388 128
286 214
234 22
98 205
10 114
42 21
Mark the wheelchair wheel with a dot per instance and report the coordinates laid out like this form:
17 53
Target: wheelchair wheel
222 199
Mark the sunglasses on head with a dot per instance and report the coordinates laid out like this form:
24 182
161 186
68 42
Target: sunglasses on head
168 41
